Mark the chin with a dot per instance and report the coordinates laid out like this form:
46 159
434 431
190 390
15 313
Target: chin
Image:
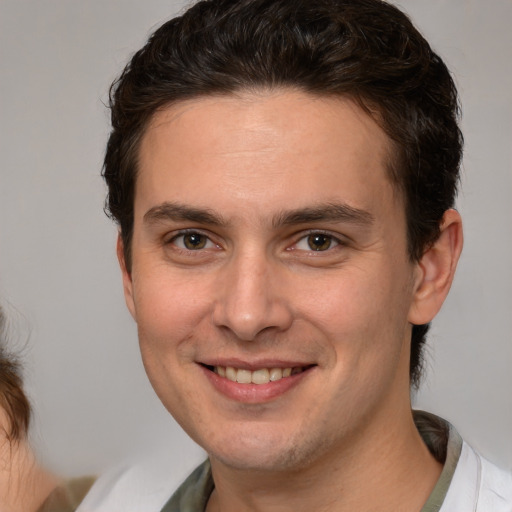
264 452
254 461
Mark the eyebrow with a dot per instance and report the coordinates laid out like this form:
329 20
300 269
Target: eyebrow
330 212
181 212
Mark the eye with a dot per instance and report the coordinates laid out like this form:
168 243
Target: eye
317 242
192 241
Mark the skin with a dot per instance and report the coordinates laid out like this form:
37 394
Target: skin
244 175
24 484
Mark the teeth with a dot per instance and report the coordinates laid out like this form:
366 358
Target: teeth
276 374
243 376
261 376
230 373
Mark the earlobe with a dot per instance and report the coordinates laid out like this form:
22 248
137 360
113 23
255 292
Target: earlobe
436 269
127 278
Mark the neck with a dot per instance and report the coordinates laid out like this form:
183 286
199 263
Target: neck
387 468
24 485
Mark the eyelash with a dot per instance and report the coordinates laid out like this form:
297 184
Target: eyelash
185 232
303 236
314 232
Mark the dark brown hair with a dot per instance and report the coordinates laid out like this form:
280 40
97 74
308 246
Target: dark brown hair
367 50
12 397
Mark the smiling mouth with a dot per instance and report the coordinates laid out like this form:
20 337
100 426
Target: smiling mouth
259 376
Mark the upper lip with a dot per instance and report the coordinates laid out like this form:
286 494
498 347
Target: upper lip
254 365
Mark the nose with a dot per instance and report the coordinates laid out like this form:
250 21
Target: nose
252 298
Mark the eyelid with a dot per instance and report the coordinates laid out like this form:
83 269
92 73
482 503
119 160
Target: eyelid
340 241
337 238
171 237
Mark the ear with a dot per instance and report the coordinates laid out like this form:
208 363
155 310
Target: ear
127 278
436 269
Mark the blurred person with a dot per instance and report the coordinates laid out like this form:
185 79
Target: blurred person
25 485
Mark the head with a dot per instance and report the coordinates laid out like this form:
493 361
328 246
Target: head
365 50
13 400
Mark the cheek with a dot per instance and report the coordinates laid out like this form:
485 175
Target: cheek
169 314
168 309
362 314
344 302
161 326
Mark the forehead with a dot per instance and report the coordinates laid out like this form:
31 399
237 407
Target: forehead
263 150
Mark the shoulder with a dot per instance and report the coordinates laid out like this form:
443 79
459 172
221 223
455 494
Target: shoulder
66 496
478 485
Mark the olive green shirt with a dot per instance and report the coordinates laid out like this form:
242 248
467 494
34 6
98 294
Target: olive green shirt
67 496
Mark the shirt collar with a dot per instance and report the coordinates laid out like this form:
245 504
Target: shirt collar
441 438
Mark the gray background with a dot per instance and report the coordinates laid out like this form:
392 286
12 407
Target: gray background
58 273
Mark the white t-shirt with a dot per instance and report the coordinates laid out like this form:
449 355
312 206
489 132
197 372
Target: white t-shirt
468 483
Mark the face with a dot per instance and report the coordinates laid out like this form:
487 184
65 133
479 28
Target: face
270 280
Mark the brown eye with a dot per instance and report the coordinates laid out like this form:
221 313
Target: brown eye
194 241
319 242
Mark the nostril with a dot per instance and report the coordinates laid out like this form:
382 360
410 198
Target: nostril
249 306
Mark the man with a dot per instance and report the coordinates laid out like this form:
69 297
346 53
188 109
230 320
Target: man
283 175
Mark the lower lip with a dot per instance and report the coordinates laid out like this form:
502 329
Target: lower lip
254 393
